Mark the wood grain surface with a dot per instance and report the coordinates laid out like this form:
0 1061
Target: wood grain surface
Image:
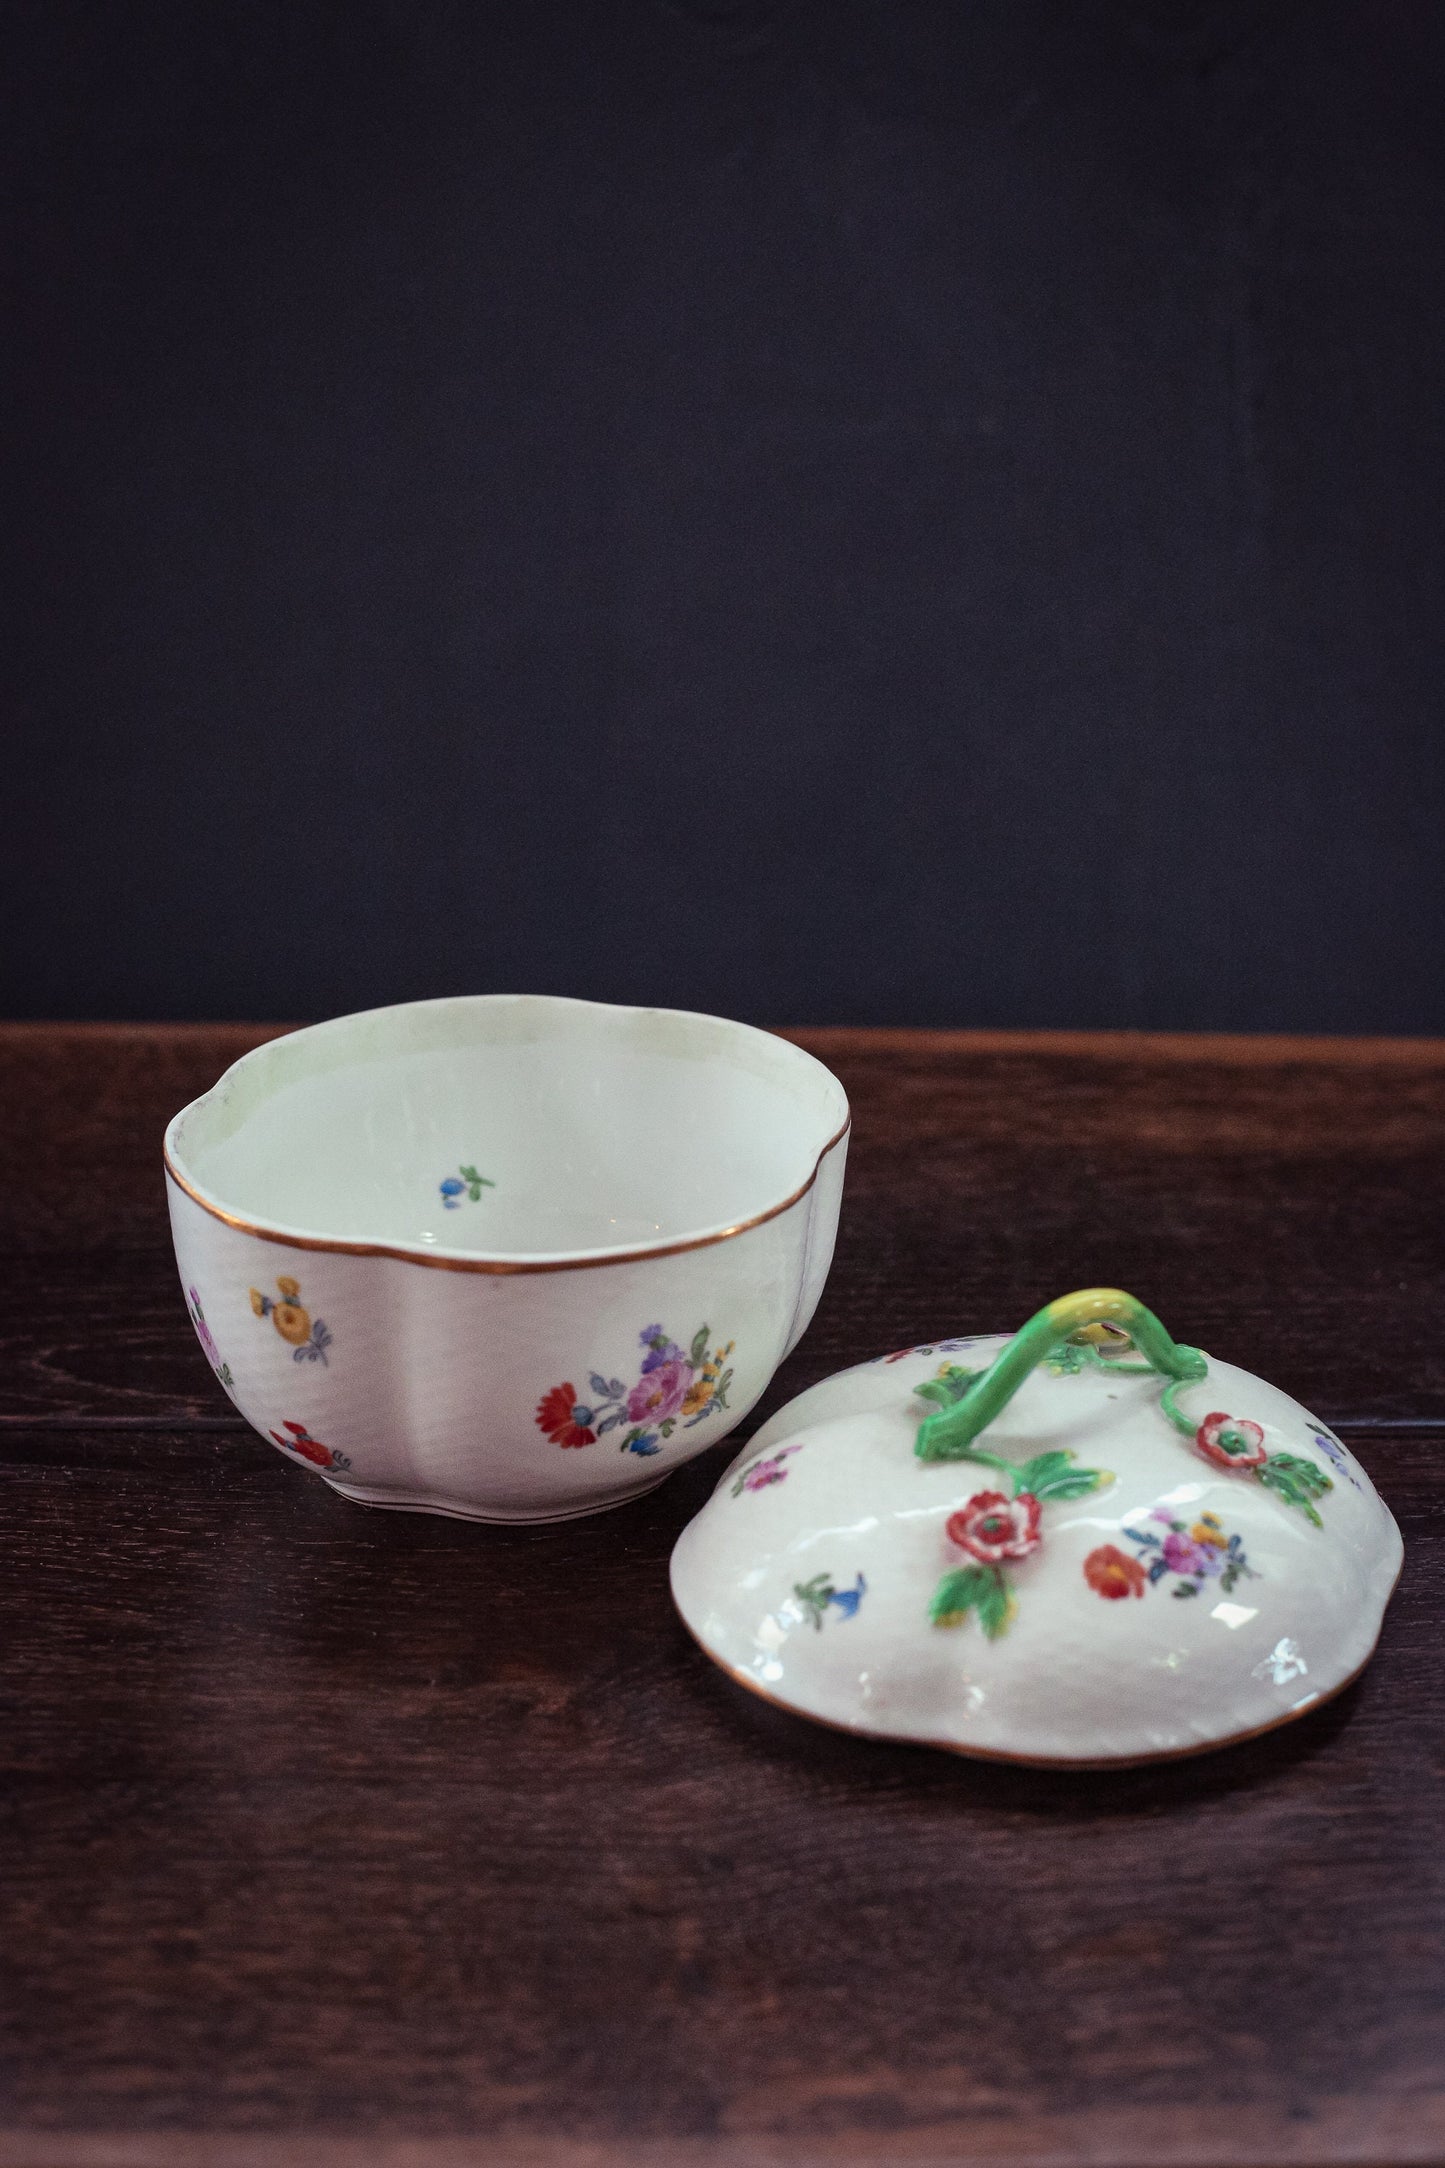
330 1836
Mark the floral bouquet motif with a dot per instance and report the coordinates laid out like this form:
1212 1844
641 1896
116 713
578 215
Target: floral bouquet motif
308 1339
674 1388
1196 1553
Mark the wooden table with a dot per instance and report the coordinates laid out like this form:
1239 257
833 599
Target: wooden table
338 1837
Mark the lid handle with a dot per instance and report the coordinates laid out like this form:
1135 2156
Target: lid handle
949 1434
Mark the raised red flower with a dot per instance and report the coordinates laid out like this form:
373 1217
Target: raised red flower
557 1414
1230 1441
301 1441
1113 1573
992 1528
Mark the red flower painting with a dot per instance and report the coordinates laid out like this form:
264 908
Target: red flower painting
557 1413
309 1448
1112 1573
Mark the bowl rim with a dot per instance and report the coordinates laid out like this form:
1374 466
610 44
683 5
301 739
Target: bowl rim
441 1259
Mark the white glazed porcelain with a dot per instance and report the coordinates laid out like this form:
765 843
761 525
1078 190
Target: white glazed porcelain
505 1256
1180 1605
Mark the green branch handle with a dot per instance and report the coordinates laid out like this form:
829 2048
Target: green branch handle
949 1435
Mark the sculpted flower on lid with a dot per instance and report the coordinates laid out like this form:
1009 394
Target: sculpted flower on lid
1230 1441
992 1527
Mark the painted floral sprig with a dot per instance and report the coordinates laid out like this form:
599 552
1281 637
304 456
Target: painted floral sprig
301 1442
308 1340
1197 1553
762 1473
817 1594
674 1388
1333 1450
467 1180
207 1340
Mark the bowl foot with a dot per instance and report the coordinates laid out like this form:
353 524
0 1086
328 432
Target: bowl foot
455 1510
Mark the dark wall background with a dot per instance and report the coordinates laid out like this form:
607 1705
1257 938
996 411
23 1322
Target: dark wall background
870 510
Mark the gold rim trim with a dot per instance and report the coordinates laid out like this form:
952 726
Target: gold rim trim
497 1264
1043 1761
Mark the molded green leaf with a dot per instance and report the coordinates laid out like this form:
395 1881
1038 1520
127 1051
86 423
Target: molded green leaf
1310 1478
1065 1360
948 1388
996 1607
957 1593
1286 1484
1042 1469
1072 1483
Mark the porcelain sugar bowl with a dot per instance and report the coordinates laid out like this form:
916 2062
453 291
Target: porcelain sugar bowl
503 1256
1086 1544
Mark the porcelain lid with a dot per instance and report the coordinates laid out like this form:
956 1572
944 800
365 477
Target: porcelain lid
1085 1544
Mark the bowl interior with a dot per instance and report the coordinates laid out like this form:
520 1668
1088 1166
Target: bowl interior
510 1125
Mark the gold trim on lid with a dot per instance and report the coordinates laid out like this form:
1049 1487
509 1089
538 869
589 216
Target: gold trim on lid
581 1263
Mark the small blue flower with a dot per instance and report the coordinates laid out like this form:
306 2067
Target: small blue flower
1335 1454
848 1599
451 1189
314 1349
644 1445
